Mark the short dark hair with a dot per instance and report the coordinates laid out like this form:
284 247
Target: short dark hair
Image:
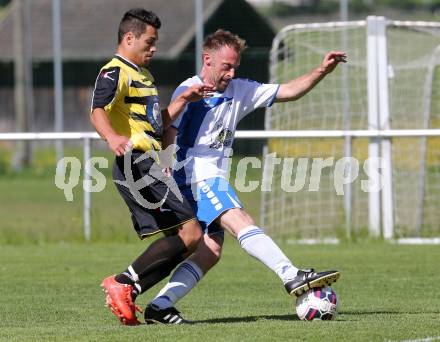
220 38
136 20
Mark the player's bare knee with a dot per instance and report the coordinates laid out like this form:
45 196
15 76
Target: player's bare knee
235 220
191 234
215 245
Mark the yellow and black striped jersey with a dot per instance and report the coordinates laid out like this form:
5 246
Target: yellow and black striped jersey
128 94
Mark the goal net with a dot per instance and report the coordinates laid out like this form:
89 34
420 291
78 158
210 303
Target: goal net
318 209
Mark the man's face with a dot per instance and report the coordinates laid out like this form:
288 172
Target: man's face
143 48
222 65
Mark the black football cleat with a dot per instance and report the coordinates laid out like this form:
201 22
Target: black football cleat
154 315
309 279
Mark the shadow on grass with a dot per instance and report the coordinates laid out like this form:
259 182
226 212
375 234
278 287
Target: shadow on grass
372 312
243 319
352 316
349 315
385 312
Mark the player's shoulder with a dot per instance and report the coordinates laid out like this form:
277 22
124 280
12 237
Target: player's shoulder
127 68
112 64
111 71
245 81
186 84
108 76
147 76
191 81
242 86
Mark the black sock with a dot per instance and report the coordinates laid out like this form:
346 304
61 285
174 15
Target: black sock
158 256
153 278
155 263
125 278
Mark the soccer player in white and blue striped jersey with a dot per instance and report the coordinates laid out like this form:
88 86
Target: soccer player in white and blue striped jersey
205 132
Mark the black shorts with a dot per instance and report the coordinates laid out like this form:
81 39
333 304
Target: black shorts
147 221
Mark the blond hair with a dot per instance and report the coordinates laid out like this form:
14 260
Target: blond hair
220 38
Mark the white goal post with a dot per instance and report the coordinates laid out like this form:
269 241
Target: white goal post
390 84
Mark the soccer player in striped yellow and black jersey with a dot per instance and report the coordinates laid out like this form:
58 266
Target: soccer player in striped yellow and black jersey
126 113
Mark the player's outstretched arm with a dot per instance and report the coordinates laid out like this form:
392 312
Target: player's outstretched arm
190 94
117 143
300 86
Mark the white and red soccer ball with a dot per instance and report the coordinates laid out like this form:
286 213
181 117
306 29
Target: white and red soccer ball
317 304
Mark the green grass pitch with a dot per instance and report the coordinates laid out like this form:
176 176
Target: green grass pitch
50 292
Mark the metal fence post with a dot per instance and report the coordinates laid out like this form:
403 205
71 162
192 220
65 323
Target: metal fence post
86 189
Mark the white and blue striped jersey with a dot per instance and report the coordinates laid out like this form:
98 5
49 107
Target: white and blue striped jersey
206 128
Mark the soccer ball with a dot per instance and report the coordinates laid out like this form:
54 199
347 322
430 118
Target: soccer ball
317 303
